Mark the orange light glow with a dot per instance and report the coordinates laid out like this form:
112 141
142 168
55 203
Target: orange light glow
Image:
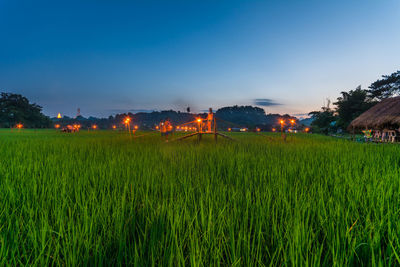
273 129
157 127
59 116
114 127
127 120
199 120
19 126
229 129
307 129
57 126
94 126
258 129
282 122
136 127
292 121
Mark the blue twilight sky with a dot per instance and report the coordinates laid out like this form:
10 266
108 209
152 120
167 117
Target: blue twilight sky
118 55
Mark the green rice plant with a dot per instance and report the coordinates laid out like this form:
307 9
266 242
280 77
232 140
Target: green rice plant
107 198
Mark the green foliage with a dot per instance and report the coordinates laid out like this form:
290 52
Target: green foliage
351 105
323 121
348 107
105 199
386 87
15 108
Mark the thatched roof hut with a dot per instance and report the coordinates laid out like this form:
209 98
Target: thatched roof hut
385 114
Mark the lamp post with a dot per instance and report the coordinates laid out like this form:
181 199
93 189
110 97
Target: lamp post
128 123
200 130
199 124
282 122
292 122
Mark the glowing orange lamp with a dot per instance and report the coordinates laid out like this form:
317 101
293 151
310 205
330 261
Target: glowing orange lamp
282 122
127 123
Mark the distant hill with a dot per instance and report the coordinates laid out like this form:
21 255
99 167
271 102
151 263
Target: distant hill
228 117
250 117
306 122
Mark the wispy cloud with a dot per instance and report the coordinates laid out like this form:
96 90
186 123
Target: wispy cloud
300 114
265 102
130 110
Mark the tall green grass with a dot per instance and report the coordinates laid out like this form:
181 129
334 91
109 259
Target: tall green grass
103 198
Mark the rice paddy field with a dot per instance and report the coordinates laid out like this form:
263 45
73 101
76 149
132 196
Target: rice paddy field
104 198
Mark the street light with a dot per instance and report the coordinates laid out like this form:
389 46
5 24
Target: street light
199 123
292 122
127 123
282 122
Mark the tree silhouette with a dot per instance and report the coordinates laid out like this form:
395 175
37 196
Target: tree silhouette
386 87
15 108
350 105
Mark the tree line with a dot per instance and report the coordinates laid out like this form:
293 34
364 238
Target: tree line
349 105
15 109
